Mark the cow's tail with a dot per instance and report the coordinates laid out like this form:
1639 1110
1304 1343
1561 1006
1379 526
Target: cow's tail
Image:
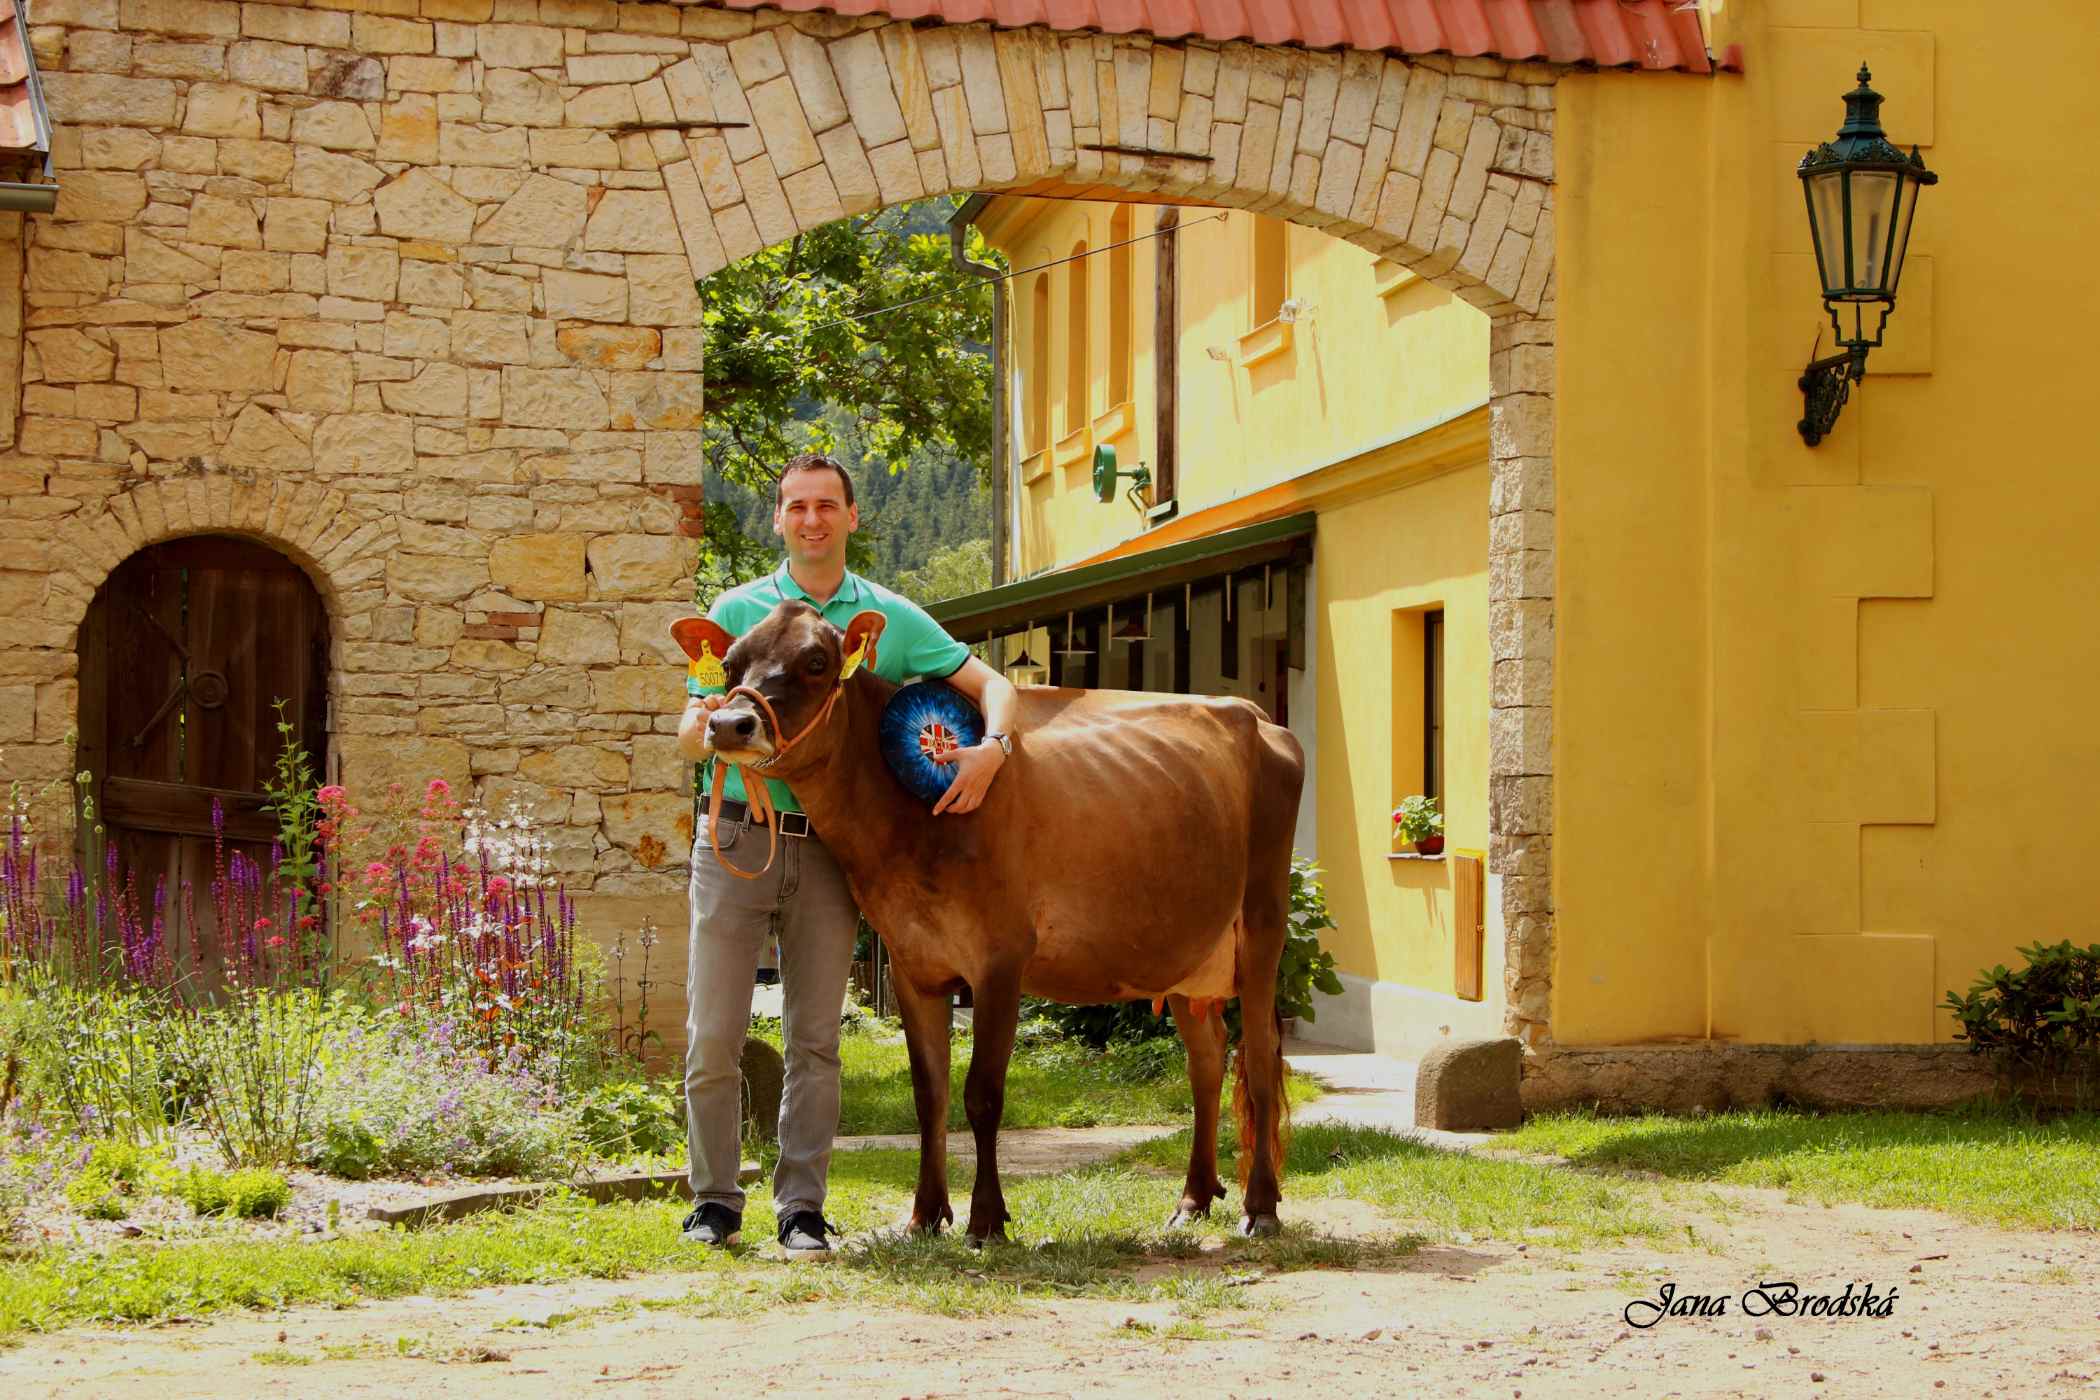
1243 1107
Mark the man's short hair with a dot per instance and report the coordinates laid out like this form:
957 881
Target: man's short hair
812 462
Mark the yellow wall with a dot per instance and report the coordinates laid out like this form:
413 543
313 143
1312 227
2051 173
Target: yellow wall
1376 355
1823 745
1367 410
1399 553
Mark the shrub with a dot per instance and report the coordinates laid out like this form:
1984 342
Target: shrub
254 1194
1306 967
2042 1023
100 1059
411 1101
255 1062
109 1178
632 1118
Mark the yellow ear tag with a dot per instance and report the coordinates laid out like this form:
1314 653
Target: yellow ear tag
706 669
853 661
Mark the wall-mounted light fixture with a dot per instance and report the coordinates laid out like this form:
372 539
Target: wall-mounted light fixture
1861 194
1106 475
1025 669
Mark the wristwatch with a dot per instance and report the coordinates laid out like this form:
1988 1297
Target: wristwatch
1005 743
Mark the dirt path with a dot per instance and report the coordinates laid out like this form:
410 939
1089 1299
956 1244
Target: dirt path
1977 1312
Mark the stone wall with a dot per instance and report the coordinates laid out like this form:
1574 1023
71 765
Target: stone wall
404 287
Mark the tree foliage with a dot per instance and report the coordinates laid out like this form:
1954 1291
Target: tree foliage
793 363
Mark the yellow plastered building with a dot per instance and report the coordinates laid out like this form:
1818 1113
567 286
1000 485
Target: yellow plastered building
1818 731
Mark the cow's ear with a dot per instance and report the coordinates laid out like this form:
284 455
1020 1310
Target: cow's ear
701 637
861 636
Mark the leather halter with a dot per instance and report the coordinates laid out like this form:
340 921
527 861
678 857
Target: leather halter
757 796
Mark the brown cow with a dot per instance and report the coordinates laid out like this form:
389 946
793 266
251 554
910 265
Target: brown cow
1135 846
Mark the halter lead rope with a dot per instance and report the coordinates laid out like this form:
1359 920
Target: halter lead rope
758 798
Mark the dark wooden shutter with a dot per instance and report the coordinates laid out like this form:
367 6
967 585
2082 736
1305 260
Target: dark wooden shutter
1166 361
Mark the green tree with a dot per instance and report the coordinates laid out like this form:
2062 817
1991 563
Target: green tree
949 573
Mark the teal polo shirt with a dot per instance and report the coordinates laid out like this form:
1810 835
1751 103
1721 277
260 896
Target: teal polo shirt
912 644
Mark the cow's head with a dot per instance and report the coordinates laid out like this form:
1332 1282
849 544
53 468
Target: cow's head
794 658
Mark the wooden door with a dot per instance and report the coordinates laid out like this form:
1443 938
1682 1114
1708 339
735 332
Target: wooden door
183 654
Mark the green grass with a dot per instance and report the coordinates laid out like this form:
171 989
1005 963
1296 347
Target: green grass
1079 1234
1991 1165
1453 1193
1058 1086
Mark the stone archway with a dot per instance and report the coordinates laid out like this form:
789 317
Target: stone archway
411 296
1442 165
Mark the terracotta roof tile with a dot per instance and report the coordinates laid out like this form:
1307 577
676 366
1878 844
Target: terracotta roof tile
1657 34
24 130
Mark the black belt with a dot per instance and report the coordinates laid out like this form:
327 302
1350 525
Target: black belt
791 823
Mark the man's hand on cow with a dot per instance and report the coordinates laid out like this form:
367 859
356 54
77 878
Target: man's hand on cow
975 767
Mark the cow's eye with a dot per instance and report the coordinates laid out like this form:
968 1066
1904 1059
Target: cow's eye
815 664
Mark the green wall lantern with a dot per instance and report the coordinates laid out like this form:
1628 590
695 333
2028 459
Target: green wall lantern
1106 475
1862 192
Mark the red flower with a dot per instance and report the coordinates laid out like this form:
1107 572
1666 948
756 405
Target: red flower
262 923
308 921
276 940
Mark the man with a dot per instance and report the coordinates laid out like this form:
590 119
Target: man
803 899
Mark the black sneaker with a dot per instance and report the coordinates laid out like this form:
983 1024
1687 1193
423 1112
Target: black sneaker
805 1234
712 1224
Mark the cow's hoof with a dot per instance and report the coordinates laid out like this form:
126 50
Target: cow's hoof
995 1237
1256 1227
1187 1216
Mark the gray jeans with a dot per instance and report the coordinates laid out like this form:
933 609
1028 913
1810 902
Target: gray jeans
802 901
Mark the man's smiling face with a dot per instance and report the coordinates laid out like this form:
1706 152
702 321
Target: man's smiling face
814 518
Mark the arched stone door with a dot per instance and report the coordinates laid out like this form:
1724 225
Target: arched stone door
184 653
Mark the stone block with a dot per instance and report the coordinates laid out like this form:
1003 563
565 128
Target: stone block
633 817
460 144
348 77
435 578
432 284
665 402
602 106
365 442
371 33
293 25
261 442
584 296
373 761
370 274
519 99
572 638
419 205
69 357
574 149
647 690
661 291
102 99
609 347
539 567
117 148
574 767
208 18
490 338
519 46
334 126
632 221
259 63
641 566
437 391
319 174
408 130
546 212
153 59
1470 1086
101 196
214 357
319 381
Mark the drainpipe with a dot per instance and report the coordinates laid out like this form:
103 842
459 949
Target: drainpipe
1002 463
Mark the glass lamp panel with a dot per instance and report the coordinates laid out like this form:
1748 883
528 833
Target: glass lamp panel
1826 212
1873 217
1907 205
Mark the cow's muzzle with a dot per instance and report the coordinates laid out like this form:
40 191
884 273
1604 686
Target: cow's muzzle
739 735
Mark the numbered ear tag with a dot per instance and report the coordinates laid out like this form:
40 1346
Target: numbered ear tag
706 669
853 660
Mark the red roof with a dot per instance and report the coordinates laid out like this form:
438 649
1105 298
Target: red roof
1658 34
23 139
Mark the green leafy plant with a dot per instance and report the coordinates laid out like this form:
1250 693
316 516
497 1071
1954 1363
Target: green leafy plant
254 1194
100 1059
294 800
110 1179
1418 818
257 1060
628 1118
2042 1022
